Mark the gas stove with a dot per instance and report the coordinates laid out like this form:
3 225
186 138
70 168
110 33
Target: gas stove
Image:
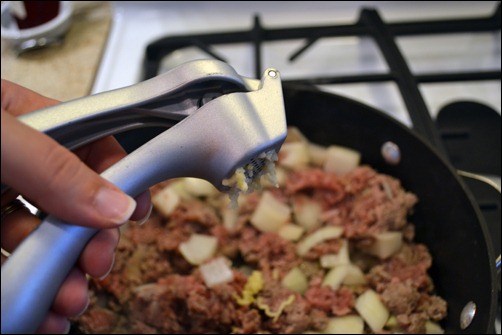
433 66
411 60
336 49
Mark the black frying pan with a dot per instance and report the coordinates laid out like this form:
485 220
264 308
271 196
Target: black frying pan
447 219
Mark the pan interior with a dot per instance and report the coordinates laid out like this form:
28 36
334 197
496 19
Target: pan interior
446 219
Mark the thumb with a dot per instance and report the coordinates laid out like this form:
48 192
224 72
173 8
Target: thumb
57 181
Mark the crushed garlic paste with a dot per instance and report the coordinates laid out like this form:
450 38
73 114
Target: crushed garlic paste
246 179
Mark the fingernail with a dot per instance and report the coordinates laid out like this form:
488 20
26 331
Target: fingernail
115 205
67 328
109 270
85 308
146 217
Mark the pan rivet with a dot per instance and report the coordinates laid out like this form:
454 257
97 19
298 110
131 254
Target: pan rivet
467 314
272 73
391 153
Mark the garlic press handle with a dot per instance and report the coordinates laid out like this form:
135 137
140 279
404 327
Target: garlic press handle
224 135
161 101
34 272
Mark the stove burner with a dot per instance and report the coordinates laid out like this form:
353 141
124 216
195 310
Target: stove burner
370 24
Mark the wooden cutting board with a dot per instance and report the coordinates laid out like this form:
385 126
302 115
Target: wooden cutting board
65 71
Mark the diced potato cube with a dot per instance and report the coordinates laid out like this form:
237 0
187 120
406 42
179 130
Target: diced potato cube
386 244
341 160
432 327
198 248
317 154
307 213
348 324
295 135
294 155
372 310
295 280
217 271
270 214
291 232
332 260
166 200
354 276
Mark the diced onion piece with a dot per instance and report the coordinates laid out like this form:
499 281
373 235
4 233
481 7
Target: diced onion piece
307 213
166 200
335 276
270 214
216 272
291 232
328 261
198 248
294 155
341 160
317 154
320 235
199 187
432 327
348 324
372 310
354 276
296 280
332 260
386 244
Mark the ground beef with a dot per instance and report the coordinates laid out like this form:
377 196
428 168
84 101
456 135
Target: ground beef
154 289
400 297
325 188
98 320
268 252
332 302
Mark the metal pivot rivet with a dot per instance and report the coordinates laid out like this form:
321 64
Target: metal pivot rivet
272 73
391 153
467 314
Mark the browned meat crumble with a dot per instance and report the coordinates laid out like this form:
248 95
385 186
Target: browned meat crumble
153 288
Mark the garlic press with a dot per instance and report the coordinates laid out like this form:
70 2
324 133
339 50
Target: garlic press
216 121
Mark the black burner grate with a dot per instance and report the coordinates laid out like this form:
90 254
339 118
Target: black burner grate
369 24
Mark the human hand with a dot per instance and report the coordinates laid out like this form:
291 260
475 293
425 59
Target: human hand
58 182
